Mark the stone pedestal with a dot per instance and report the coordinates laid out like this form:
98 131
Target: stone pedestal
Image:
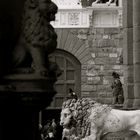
22 96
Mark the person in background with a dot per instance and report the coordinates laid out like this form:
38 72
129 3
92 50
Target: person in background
47 131
40 132
117 88
53 126
51 130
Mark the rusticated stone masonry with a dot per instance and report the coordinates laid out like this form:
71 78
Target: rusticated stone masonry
105 47
100 52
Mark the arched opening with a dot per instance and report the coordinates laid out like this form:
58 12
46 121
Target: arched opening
70 78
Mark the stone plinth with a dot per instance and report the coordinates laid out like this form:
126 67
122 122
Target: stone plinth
22 96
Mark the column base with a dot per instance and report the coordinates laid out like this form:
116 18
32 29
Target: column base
22 96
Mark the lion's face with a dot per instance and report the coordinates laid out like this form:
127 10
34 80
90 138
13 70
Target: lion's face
65 118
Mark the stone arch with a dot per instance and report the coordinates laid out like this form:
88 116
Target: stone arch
70 77
68 40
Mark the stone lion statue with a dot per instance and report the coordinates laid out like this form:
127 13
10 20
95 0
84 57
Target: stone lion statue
86 119
37 36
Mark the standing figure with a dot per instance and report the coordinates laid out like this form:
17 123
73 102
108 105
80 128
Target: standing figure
46 131
41 132
117 89
37 37
54 126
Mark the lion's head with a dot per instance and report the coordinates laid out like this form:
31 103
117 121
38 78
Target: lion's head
65 117
79 114
75 113
68 113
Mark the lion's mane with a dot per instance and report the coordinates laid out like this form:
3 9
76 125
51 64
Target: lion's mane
85 110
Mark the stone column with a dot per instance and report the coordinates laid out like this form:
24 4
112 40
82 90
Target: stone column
128 53
133 137
136 52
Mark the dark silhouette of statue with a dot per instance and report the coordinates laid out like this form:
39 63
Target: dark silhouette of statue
26 38
117 88
37 36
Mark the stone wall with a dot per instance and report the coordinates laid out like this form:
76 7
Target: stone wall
100 52
105 47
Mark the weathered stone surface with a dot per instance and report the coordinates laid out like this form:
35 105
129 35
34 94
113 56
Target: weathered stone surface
88 88
99 55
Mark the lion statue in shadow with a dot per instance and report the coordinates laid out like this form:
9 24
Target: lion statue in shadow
37 38
86 119
27 38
